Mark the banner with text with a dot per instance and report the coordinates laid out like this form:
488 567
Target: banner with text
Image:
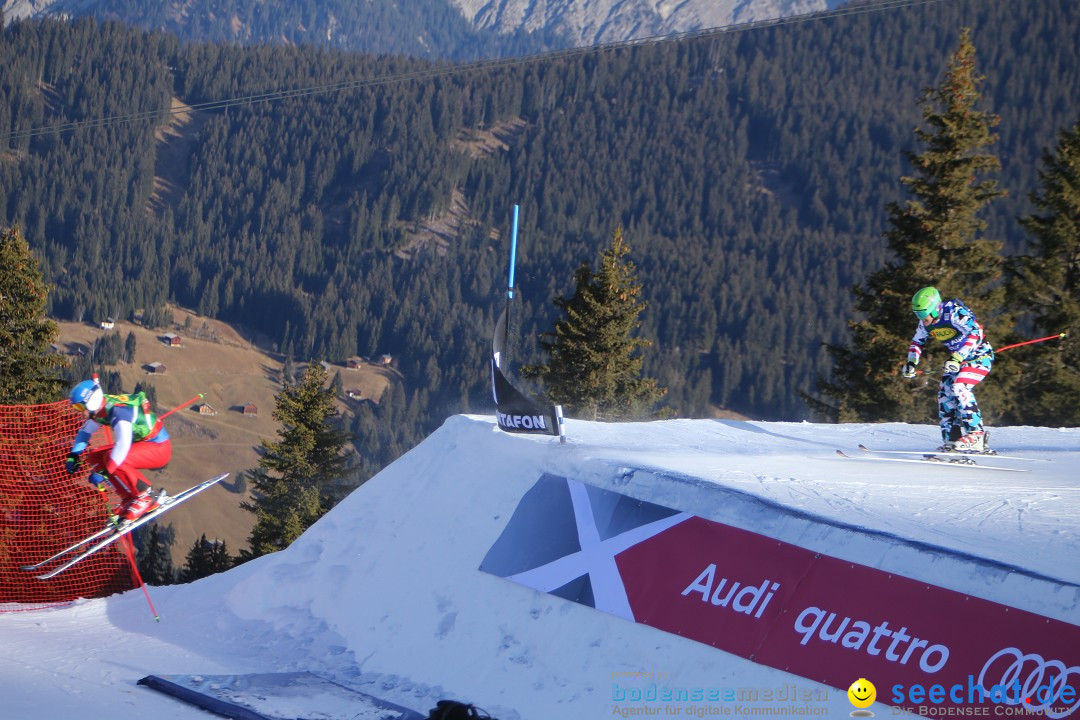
825 619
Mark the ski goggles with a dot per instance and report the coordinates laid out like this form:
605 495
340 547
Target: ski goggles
81 407
927 316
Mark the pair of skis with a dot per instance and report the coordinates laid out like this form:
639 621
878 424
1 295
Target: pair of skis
110 534
949 459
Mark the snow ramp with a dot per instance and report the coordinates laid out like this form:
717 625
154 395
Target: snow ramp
683 568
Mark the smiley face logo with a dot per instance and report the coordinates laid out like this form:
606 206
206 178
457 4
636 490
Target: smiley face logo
862 693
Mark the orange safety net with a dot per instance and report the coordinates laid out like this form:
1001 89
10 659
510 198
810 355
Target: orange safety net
43 510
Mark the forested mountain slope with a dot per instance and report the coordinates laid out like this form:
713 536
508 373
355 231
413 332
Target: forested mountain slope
750 171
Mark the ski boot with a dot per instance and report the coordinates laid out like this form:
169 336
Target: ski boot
974 443
134 508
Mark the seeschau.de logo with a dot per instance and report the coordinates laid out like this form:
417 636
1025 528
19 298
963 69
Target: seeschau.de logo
1046 686
1018 683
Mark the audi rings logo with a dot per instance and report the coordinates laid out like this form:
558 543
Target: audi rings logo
1043 683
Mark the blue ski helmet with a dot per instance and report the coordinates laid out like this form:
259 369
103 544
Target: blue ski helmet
926 303
87 395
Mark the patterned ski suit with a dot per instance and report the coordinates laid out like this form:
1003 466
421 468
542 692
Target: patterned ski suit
140 442
962 335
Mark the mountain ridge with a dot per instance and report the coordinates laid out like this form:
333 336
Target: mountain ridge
554 24
615 20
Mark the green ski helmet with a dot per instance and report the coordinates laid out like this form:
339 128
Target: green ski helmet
926 303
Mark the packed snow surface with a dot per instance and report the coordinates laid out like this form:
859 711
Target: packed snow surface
384 594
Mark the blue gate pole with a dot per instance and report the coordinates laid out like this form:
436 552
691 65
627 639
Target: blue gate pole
513 254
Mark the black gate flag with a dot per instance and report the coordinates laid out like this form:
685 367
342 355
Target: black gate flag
515 411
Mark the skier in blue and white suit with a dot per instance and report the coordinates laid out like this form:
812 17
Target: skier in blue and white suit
970 360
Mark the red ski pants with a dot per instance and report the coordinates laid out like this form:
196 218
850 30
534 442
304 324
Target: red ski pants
126 479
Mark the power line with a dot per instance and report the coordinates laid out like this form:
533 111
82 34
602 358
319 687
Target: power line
444 71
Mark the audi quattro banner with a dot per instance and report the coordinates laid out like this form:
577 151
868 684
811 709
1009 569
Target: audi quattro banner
825 619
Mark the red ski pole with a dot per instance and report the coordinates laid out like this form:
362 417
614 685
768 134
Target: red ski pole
181 406
129 550
1029 342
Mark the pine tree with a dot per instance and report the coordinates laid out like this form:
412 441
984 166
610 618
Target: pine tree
935 238
205 558
219 560
594 370
197 561
288 368
296 479
129 348
1047 284
155 559
29 372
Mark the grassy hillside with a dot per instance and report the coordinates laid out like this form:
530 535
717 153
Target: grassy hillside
231 371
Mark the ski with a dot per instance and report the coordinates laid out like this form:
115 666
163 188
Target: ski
964 462
114 534
927 453
71 548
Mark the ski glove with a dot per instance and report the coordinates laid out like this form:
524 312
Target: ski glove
97 478
909 366
952 365
72 463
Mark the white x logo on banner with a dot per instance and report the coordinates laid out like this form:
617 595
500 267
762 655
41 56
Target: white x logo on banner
596 558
